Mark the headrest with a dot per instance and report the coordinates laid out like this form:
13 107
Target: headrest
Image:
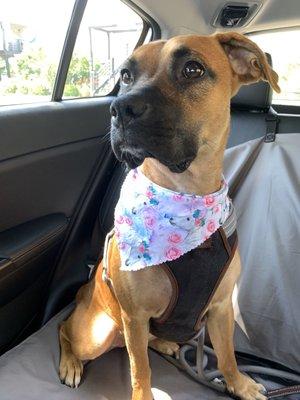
257 96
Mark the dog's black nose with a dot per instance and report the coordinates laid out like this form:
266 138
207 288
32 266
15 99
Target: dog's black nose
124 110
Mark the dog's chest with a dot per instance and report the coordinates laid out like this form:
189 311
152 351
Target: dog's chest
195 277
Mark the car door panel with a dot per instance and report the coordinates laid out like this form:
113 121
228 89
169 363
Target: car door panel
30 128
27 240
45 182
18 315
47 155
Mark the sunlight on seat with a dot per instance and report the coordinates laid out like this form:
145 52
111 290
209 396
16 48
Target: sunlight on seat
160 395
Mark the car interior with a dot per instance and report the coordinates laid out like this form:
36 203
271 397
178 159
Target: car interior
60 181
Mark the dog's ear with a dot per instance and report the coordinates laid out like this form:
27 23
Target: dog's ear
249 63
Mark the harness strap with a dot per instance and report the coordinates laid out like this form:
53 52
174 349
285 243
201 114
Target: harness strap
230 224
105 265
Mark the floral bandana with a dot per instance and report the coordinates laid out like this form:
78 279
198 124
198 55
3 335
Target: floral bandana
154 225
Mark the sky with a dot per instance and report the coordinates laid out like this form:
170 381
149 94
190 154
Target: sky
46 21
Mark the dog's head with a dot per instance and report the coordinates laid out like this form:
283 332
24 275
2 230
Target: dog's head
175 96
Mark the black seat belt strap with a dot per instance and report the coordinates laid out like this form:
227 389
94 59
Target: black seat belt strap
95 251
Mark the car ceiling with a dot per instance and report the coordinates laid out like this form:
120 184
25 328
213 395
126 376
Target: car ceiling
177 17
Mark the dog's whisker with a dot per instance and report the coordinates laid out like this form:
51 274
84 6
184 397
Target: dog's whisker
105 137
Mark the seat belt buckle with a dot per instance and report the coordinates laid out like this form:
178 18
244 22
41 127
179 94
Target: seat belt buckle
271 122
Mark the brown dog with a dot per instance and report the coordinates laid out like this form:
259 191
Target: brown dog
175 114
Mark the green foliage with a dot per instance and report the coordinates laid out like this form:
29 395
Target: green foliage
71 91
12 89
51 74
79 71
29 65
33 74
23 90
41 90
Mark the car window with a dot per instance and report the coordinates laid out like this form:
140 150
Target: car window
108 33
284 49
32 34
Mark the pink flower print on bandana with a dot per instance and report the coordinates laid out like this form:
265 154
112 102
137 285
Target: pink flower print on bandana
154 225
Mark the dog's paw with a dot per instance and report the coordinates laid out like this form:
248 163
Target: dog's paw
165 347
247 389
70 371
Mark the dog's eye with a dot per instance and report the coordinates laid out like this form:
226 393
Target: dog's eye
193 69
126 76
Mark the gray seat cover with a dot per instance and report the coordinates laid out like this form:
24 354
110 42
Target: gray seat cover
29 372
265 179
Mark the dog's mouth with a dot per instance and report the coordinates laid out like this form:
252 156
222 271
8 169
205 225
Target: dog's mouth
134 159
181 166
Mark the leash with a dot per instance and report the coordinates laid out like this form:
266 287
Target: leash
272 394
214 380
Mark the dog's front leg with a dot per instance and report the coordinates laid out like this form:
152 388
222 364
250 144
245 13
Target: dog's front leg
136 332
220 324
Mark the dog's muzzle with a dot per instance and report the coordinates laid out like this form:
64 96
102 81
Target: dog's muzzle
127 109
144 124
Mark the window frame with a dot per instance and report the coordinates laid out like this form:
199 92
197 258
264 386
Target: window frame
70 41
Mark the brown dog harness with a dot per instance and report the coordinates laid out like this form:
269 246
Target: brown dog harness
195 277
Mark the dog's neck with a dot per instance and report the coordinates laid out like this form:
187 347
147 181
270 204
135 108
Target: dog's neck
204 175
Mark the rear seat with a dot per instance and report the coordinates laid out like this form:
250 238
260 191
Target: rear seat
29 371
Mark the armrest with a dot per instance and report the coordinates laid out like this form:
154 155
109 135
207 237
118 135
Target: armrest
27 240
